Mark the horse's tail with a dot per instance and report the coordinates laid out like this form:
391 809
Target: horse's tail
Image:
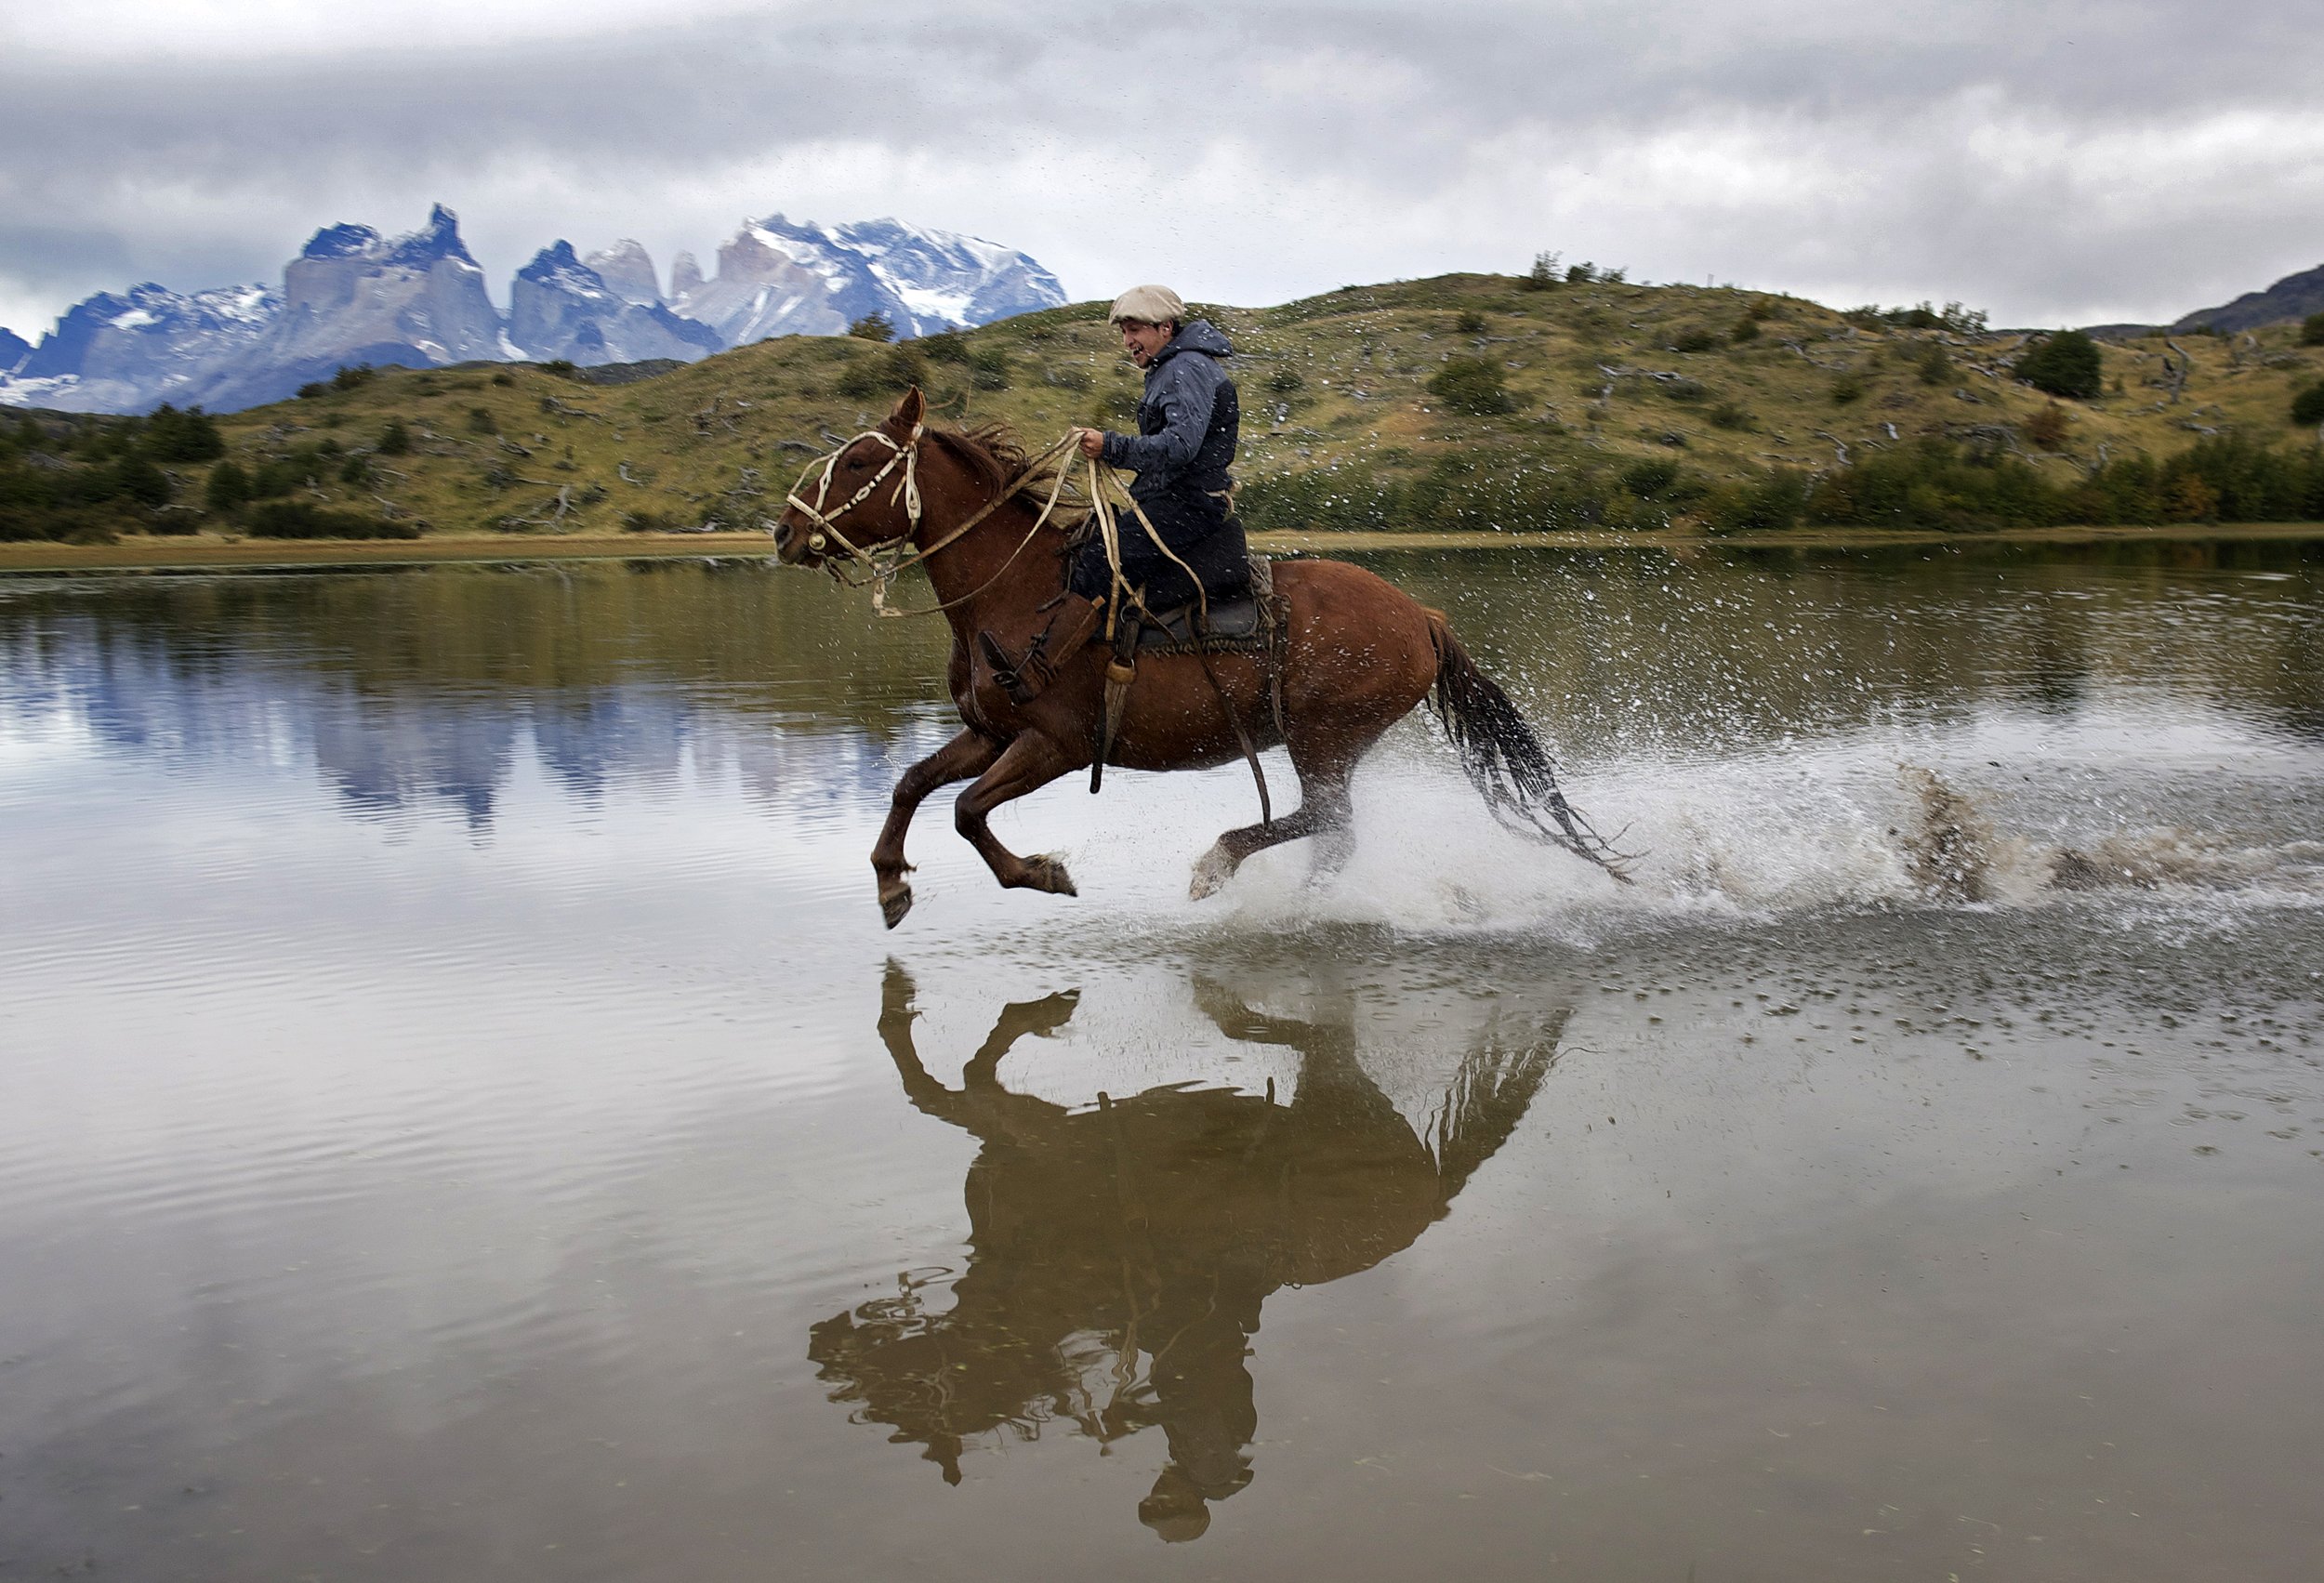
1505 760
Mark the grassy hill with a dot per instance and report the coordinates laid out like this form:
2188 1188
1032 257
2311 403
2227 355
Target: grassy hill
1467 401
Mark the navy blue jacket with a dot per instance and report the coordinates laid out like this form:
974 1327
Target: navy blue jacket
1189 421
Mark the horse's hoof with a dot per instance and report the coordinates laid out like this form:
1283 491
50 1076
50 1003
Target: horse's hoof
1211 873
1045 872
895 904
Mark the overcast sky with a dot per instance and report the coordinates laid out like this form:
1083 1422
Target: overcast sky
2050 160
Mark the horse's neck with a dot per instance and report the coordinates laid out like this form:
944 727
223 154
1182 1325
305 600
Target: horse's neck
996 593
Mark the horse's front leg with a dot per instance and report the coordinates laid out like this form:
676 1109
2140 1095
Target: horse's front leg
1029 763
970 753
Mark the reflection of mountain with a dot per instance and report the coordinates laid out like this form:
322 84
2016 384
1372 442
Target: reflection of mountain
1119 1257
419 691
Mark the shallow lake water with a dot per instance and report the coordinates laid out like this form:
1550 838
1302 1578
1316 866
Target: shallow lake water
461 1116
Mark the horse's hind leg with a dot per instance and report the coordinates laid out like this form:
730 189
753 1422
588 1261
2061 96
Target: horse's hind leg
970 753
1325 812
1029 763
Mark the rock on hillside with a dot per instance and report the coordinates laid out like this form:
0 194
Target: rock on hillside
560 308
777 277
2294 296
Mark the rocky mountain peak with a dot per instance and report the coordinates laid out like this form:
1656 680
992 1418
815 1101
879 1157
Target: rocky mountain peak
627 269
341 242
436 241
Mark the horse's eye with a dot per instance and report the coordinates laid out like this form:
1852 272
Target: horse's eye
856 463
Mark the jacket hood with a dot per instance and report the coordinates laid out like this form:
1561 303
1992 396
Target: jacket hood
1196 334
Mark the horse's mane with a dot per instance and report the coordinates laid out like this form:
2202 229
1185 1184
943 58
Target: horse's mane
993 453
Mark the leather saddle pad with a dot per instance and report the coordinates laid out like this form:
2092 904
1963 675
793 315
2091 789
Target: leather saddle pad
1234 622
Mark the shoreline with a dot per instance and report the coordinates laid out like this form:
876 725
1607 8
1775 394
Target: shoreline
142 554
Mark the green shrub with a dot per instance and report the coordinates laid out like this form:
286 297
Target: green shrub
353 376
229 489
1473 385
1285 379
1542 276
1746 329
1846 389
2064 365
1770 502
946 346
1728 414
1936 367
1469 321
173 436
1686 392
298 519
355 470
1650 477
481 421
395 440
135 478
988 368
2307 407
873 327
2312 330
1697 338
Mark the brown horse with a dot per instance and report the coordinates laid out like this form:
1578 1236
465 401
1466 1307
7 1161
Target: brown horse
1360 653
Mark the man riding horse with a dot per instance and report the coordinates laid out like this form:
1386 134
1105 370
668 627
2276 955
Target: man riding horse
1188 422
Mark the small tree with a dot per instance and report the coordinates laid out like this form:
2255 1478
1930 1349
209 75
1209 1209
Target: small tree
395 440
2047 427
2064 365
2312 330
1543 275
873 327
1473 385
2307 407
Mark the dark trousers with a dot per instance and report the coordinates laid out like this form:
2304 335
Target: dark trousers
1204 537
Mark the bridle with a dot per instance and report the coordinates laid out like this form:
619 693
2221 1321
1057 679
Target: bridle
826 531
884 562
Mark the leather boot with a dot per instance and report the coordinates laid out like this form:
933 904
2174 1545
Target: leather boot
1025 677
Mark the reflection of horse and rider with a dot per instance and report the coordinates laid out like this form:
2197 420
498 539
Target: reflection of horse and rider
1119 1257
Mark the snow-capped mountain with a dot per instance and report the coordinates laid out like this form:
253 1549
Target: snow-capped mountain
777 277
559 306
353 295
129 352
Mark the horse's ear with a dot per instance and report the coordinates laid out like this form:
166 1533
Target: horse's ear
911 412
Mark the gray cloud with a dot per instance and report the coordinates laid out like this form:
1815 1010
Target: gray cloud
2063 163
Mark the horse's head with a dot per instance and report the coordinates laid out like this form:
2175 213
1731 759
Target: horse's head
864 494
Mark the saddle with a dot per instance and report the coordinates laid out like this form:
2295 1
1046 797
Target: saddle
1243 625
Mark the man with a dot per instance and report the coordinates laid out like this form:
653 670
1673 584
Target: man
1188 423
